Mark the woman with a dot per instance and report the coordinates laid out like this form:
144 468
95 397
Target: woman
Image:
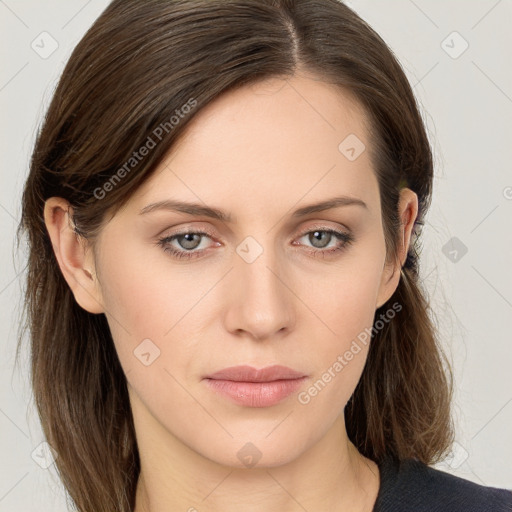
223 212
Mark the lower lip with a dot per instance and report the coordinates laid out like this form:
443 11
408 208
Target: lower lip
256 394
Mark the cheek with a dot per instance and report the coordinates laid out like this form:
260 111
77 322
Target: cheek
344 303
147 316
140 302
156 308
346 296
141 289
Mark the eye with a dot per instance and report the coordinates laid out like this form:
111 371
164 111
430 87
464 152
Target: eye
320 238
187 243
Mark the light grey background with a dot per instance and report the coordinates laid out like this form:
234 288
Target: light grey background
466 99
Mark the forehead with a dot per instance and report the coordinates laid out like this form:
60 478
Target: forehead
268 145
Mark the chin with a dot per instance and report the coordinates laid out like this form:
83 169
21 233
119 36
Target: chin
255 451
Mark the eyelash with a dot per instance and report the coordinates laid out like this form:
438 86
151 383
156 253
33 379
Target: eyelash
345 238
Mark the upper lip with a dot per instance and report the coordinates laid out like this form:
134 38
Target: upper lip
246 373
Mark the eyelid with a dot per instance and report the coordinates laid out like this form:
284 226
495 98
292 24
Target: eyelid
187 229
322 225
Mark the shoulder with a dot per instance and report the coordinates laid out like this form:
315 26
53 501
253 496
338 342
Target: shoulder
411 485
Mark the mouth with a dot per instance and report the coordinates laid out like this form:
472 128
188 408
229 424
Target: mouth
253 387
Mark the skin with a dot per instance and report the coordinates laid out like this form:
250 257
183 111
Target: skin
258 153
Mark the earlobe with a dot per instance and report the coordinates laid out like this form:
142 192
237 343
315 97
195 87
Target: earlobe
73 255
408 211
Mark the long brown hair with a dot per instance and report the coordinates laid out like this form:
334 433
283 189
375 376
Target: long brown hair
138 66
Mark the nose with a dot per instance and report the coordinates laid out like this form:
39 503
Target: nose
260 300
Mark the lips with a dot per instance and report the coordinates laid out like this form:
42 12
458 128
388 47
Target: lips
252 387
246 373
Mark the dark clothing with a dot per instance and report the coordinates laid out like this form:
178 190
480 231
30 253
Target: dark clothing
411 486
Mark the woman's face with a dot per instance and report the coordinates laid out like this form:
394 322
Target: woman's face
252 290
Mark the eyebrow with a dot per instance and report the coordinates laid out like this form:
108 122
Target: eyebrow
215 213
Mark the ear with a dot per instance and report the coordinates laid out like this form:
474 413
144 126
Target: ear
408 211
75 260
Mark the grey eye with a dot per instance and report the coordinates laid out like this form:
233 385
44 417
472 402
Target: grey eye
315 237
189 243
